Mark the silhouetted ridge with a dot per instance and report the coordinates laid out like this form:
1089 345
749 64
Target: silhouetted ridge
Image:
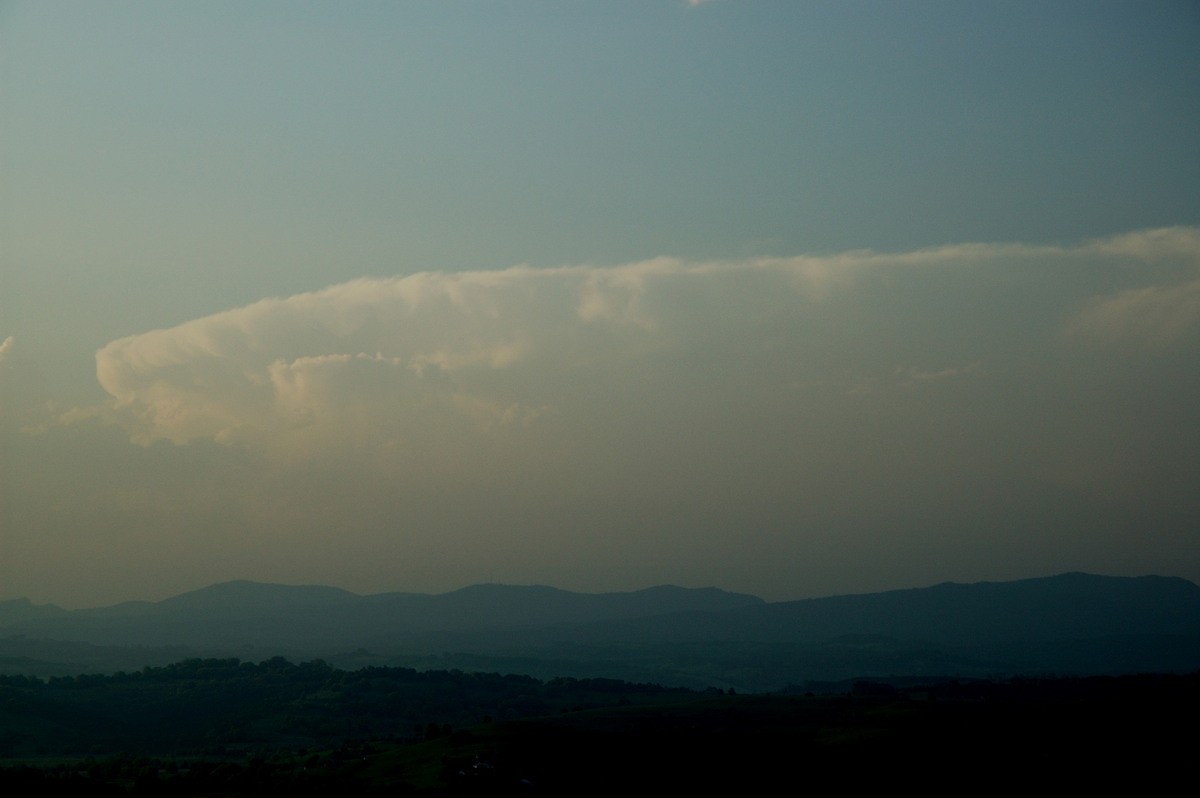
1073 605
244 594
1071 623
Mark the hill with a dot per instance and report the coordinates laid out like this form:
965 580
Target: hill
1072 624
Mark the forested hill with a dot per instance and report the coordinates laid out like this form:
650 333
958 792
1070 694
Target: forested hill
1073 623
240 613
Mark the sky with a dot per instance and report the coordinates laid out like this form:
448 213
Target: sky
789 298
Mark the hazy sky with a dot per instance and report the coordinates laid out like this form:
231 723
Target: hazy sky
792 298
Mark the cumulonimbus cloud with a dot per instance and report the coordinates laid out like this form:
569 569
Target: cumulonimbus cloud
434 357
385 355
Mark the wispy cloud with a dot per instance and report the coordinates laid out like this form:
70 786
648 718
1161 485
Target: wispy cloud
1156 316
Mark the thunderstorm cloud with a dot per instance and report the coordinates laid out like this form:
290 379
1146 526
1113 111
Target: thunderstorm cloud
441 359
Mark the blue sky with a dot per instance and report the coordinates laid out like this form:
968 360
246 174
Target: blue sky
808 297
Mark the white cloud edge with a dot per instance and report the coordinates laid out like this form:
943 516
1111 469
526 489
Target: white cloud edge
273 366
1154 316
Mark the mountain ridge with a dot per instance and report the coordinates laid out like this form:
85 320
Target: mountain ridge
248 585
1072 622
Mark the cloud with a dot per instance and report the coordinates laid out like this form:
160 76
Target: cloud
387 356
912 376
1156 316
1151 245
438 365
666 420
1163 308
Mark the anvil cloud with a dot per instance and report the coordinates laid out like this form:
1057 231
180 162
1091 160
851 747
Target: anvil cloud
374 362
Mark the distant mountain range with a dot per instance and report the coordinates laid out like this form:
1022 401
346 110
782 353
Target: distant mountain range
1068 624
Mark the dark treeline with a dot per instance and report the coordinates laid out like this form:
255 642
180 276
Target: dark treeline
226 727
215 706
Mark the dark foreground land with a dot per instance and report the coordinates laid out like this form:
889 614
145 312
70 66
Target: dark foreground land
224 728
